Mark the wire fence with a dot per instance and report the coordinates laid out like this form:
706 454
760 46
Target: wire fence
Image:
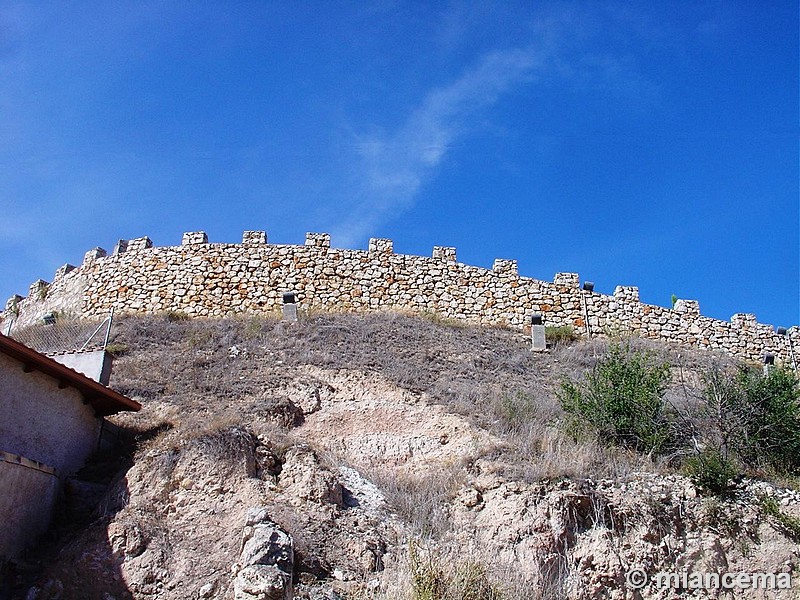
54 336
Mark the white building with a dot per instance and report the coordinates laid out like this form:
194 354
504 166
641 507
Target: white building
51 420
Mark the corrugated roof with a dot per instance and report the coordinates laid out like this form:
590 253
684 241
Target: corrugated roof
104 400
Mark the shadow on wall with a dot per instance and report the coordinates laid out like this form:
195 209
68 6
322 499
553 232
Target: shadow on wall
79 558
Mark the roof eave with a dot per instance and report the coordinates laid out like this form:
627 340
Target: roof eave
104 400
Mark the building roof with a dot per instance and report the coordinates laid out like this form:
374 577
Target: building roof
104 400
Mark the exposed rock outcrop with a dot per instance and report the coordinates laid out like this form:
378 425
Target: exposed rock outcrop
266 562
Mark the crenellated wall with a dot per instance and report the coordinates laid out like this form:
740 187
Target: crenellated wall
213 280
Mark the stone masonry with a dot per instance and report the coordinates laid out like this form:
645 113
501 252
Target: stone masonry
205 279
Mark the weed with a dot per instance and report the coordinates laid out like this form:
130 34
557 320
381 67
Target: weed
438 319
616 330
421 500
711 471
515 411
427 577
788 524
200 337
222 441
254 327
563 335
471 582
117 349
430 580
174 316
721 518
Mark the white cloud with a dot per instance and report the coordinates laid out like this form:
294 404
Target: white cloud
393 167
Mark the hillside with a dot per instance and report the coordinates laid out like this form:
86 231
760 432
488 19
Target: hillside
386 456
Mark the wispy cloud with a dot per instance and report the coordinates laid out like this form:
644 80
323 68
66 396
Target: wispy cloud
394 166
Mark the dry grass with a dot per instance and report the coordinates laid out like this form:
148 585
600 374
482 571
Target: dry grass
445 572
422 499
210 386
209 374
206 377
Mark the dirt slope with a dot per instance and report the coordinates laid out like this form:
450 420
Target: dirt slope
276 461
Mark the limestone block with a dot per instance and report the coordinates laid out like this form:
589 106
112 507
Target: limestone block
13 302
629 293
139 244
381 246
194 237
264 543
567 280
254 238
504 265
445 253
120 247
267 558
539 343
688 307
38 289
318 240
63 270
93 254
744 320
262 582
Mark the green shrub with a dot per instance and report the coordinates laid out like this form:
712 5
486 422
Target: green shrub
757 416
621 400
560 335
711 471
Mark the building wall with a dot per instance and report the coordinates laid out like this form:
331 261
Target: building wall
214 280
28 491
42 422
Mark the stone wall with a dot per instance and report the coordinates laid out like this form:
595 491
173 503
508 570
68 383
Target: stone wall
206 279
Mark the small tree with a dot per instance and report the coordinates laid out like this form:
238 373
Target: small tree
757 416
621 400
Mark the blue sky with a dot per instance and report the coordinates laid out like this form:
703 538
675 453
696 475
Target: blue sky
637 143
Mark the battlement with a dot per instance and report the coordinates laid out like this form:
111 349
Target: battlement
206 279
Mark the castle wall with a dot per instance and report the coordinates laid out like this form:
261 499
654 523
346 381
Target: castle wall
213 280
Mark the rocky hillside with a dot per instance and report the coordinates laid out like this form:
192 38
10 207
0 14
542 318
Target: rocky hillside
386 457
